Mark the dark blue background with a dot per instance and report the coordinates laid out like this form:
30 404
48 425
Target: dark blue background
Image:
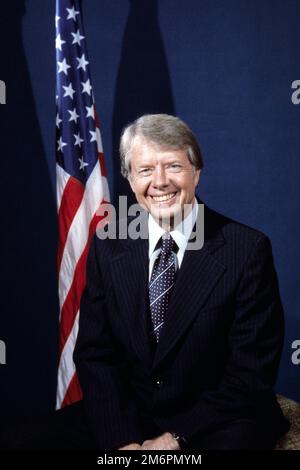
225 67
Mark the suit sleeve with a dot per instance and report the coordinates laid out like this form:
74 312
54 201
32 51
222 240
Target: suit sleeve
255 345
111 415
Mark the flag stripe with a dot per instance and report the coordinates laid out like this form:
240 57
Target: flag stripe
62 178
72 302
70 202
79 230
73 392
66 367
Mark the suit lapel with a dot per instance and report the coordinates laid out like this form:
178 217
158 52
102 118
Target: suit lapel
130 278
199 273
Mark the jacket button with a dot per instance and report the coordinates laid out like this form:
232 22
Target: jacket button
159 383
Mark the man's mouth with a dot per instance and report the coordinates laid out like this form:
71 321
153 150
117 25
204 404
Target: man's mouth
163 198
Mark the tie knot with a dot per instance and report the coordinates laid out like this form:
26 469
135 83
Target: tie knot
167 243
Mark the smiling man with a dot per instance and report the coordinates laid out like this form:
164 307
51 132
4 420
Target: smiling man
163 181
178 348
162 160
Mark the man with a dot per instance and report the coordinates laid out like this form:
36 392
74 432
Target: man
179 341
179 347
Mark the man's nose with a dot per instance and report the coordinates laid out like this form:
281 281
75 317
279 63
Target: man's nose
159 178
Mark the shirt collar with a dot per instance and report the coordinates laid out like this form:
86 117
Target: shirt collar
180 234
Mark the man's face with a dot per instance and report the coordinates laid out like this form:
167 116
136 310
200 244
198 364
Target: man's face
163 180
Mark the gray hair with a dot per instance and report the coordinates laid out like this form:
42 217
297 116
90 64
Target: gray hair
163 130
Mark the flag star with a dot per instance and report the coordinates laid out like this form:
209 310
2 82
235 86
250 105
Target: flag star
77 37
90 111
73 114
94 136
78 139
57 18
72 13
63 66
61 144
58 120
59 42
82 62
86 87
82 163
69 91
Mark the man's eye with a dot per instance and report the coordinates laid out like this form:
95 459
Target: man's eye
145 171
175 167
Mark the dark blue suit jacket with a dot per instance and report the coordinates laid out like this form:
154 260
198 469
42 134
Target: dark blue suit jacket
219 351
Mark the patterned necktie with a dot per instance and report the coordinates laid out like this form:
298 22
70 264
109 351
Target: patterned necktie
161 283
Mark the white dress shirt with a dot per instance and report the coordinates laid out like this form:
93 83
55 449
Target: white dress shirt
180 235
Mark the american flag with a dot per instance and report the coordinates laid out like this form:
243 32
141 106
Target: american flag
81 182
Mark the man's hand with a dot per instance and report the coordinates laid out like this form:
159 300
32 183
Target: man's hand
164 442
132 446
